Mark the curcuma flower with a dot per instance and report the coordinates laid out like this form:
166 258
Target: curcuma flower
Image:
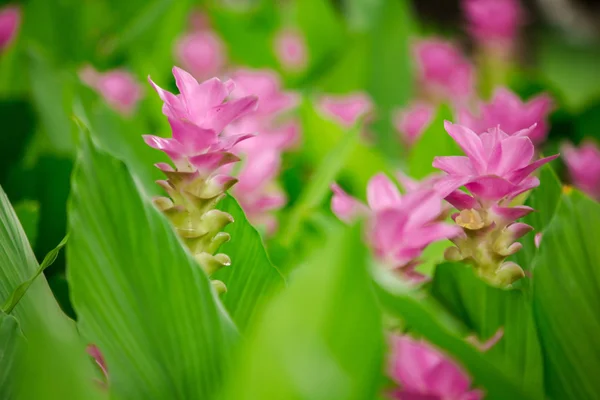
118 87
512 115
10 20
346 110
290 49
583 164
412 121
494 22
423 373
202 53
444 73
399 226
198 116
258 192
496 169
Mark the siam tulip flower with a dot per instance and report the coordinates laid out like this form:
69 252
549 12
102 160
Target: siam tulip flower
496 169
10 20
494 22
411 122
290 49
583 164
512 115
118 87
443 71
198 116
400 226
424 373
346 110
202 53
257 190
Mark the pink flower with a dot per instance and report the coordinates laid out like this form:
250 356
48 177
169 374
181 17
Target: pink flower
444 73
10 20
494 20
290 49
512 115
411 122
346 110
423 373
197 117
400 226
118 87
497 166
583 164
202 53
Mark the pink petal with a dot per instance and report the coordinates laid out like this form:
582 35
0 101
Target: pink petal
186 84
454 165
448 380
171 147
192 137
469 142
519 229
511 154
258 171
511 213
520 174
527 184
209 162
227 143
461 200
344 206
382 193
164 167
426 235
448 184
490 187
10 20
173 104
219 117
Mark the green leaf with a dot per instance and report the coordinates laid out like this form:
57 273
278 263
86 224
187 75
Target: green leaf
20 290
321 338
11 342
139 295
424 316
28 212
251 279
485 310
566 295
434 142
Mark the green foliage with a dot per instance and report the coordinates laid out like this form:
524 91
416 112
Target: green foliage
565 298
328 317
139 296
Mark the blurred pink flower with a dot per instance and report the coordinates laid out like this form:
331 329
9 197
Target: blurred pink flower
197 117
257 190
290 49
10 20
494 20
118 87
400 226
346 109
424 373
202 53
444 72
583 164
512 115
497 166
198 21
412 121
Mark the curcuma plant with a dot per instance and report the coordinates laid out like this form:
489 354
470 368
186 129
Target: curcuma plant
331 205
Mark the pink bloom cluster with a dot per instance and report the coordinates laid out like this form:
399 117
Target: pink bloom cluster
494 21
10 20
512 115
118 87
346 110
201 51
290 49
583 164
422 372
198 116
496 169
444 73
400 226
257 190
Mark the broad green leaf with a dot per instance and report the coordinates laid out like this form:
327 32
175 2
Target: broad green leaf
424 316
28 212
322 338
139 295
566 297
20 290
11 342
434 142
39 315
484 310
251 279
